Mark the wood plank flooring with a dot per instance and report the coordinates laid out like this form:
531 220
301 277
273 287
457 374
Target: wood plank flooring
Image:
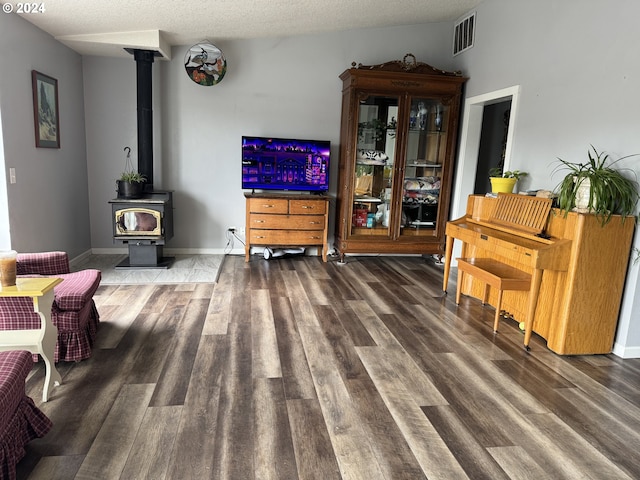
296 369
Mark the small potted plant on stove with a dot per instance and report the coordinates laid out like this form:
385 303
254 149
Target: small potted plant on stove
131 183
504 181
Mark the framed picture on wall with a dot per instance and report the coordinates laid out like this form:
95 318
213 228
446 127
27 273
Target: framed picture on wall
45 110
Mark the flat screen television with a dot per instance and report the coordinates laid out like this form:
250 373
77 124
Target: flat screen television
285 164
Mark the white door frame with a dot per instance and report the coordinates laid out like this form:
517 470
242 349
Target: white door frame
470 143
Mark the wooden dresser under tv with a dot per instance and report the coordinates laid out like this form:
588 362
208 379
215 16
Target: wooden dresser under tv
286 220
579 266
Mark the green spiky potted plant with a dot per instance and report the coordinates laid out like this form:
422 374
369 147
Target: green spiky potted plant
596 187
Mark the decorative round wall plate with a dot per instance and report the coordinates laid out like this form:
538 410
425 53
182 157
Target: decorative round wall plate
205 64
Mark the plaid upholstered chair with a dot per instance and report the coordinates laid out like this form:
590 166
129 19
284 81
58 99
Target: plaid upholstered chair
20 420
73 311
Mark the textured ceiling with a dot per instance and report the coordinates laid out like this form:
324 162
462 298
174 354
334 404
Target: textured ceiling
93 27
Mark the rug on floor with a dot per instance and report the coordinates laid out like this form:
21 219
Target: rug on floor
183 269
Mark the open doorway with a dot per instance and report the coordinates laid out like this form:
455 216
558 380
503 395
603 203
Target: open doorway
474 162
493 143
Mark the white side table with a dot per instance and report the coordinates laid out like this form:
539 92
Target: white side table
42 340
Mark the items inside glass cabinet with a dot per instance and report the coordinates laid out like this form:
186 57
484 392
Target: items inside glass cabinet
376 165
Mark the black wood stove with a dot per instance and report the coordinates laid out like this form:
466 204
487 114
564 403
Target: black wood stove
145 224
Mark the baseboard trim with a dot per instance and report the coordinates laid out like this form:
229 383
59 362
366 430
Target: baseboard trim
83 256
626 352
171 251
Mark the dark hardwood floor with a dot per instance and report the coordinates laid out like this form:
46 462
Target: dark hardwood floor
296 369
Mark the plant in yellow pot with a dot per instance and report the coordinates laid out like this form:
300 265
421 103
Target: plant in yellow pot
504 181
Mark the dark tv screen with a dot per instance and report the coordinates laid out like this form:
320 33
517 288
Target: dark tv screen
285 164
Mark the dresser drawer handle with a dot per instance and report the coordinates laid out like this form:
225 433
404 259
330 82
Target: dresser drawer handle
307 206
315 223
267 206
258 221
260 236
314 238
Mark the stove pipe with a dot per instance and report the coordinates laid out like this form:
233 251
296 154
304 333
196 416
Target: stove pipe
144 62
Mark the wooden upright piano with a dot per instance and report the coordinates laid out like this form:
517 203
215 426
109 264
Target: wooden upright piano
577 267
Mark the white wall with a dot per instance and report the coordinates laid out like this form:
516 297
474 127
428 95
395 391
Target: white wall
47 207
576 63
280 87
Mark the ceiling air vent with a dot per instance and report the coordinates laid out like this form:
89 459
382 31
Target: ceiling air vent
463 32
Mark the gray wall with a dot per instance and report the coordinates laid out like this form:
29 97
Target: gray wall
279 87
576 63
111 125
47 207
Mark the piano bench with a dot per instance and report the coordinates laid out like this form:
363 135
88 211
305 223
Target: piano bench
495 274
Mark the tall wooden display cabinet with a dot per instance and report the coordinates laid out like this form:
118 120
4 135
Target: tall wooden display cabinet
397 152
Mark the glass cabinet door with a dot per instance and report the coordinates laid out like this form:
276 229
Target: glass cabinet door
425 155
373 176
